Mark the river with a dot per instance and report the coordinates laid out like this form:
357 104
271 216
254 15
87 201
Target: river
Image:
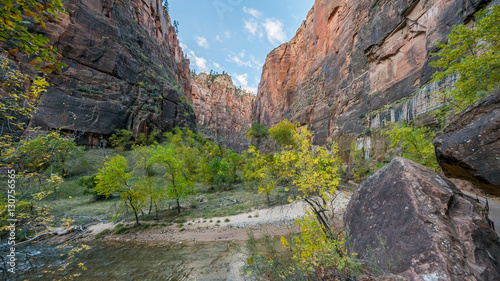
140 261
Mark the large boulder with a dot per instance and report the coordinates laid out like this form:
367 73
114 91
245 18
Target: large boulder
408 220
469 148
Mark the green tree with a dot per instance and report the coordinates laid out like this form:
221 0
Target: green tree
122 140
146 139
22 92
18 104
259 170
43 151
474 54
165 5
15 19
113 177
178 183
414 143
283 134
148 184
42 157
89 183
257 133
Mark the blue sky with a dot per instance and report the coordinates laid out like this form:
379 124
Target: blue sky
235 36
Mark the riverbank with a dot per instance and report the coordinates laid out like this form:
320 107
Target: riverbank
274 221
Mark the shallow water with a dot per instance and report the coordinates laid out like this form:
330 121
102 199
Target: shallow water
131 261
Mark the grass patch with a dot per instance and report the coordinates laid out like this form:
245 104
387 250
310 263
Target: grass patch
120 229
103 233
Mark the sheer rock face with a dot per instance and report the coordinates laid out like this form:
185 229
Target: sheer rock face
412 222
125 70
222 109
351 58
469 148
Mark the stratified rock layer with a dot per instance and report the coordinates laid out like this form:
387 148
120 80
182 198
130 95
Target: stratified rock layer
352 58
223 109
125 70
408 220
469 148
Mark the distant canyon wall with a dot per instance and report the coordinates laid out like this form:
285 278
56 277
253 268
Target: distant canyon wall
354 64
222 110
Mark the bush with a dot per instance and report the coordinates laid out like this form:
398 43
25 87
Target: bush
310 255
121 140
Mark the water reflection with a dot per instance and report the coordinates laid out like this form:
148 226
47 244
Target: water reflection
131 261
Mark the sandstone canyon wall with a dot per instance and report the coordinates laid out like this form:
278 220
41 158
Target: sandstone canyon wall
125 70
354 64
223 111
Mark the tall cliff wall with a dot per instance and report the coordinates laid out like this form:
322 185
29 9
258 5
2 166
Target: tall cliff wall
222 109
350 61
125 70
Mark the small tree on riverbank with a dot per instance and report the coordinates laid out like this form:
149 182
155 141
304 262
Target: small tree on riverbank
178 182
113 177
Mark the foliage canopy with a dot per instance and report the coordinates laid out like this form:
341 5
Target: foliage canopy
474 54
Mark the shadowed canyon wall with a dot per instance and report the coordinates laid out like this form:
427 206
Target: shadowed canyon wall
354 64
125 70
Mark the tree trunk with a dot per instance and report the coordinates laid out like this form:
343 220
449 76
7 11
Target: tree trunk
156 211
322 220
178 206
135 212
55 193
136 217
150 205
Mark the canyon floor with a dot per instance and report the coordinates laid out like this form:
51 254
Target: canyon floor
273 221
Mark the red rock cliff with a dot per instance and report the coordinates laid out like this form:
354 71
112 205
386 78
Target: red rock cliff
351 58
125 70
221 107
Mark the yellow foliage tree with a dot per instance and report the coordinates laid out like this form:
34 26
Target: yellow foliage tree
314 174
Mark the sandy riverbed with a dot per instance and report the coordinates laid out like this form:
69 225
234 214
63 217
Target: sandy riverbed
273 221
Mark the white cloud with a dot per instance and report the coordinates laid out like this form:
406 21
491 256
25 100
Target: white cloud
227 34
200 62
256 62
274 30
253 12
251 26
236 59
252 90
216 65
217 38
202 42
242 79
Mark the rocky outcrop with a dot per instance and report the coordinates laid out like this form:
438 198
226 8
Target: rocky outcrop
224 110
125 70
350 60
408 220
469 148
